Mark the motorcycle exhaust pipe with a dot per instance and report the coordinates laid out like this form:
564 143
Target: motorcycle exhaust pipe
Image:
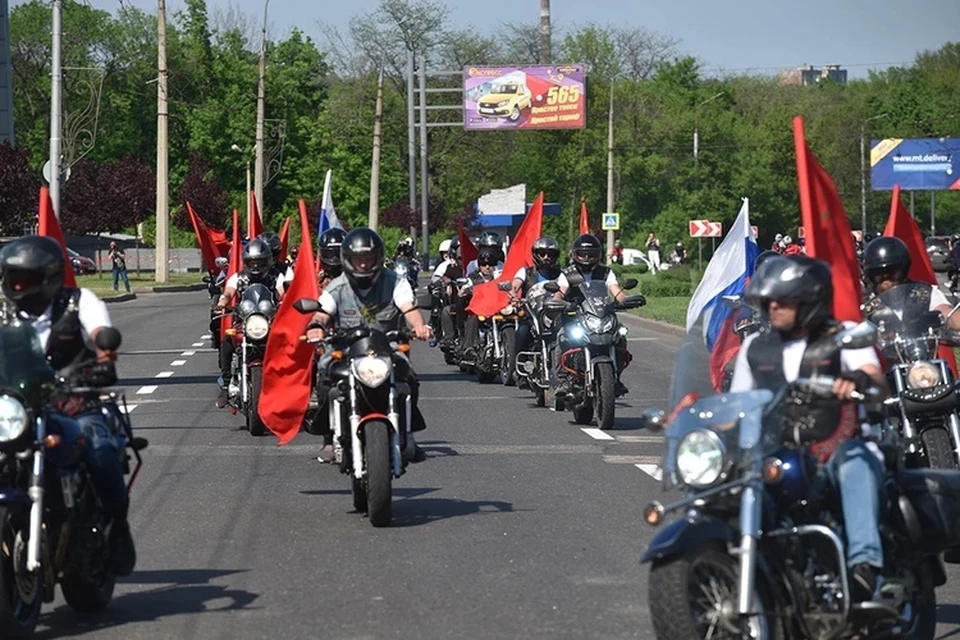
36 497
356 449
954 421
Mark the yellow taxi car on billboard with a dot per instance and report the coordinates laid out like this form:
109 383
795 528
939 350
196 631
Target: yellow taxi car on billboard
506 100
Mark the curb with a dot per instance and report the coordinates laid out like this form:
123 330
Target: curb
124 297
656 325
178 288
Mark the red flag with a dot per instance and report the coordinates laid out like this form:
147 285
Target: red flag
288 362
207 249
487 298
584 219
826 228
901 225
284 238
50 227
234 266
255 224
221 243
468 250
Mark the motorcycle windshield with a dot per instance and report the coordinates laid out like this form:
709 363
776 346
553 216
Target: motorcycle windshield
23 365
906 337
257 298
595 297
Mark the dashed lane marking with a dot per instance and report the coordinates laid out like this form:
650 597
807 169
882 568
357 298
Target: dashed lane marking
150 388
648 339
652 470
641 439
634 460
178 363
154 352
597 434
206 337
127 408
163 374
188 353
197 344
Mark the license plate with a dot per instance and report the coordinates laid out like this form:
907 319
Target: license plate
485 110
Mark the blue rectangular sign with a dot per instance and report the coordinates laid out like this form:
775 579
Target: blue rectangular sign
915 164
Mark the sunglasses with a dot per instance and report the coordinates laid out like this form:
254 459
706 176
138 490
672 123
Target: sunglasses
486 262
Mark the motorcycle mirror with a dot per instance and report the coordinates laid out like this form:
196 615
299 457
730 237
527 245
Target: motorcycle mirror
551 287
306 305
505 286
630 283
734 302
206 279
653 419
108 339
858 337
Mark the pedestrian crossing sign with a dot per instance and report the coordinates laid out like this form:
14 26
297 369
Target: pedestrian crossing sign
611 222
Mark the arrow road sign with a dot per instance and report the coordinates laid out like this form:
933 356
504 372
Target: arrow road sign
705 229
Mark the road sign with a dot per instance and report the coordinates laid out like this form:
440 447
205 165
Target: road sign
611 222
705 229
64 172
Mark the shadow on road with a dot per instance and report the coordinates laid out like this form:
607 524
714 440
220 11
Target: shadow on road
419 511
183 592
451 376
398 492
949 614
438 449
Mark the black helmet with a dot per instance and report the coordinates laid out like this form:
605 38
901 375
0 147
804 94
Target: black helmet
454 252
257 258
955 237
491 240
763 257
886 254
294 252
488 256
330 242
362 257
32 268
546 252
797 278
586 252
273 241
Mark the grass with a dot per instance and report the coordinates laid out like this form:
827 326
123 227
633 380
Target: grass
102 284
672 310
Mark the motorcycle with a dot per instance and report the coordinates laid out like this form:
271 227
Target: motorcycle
757 550
369 406
587 348
407 268
533 367
925 403
252 326
747 322
53 527
497 342
215 288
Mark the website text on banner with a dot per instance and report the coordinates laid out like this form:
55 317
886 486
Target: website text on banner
928 164
551 97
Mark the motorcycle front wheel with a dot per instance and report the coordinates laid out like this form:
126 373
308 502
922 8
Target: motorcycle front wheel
254 422
379 472
21 592
604 382
692 595
937 447
508 359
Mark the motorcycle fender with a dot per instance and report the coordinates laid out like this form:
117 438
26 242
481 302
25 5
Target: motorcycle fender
14 496
682 534
595 360
370 417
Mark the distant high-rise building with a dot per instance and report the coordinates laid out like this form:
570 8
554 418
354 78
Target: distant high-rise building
806 75
6 76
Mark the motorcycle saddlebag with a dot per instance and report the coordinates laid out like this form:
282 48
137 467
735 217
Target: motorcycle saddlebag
935 496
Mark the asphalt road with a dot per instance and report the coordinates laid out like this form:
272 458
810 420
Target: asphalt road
519 524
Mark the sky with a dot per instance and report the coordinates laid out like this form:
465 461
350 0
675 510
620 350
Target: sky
728 35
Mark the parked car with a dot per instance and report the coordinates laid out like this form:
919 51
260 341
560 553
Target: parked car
81 264
938 248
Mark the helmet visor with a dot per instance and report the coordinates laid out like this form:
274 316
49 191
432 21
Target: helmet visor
257 266
330 255
22 282
586 255
364 263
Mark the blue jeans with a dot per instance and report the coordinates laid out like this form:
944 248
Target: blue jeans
860 476
117 275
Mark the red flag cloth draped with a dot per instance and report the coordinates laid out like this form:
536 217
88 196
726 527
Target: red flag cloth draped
221 243
50 227
487 298
288 362
204 241
284 237
584 218
233 266
255 223
468 250
826 228
901 225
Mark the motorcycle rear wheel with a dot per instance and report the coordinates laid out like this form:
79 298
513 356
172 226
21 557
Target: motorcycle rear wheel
937 447
20 596
254 422
379 473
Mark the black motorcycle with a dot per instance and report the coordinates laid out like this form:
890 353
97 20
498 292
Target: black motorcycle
758 550
215 289
533 366
53 527
747 321
252 318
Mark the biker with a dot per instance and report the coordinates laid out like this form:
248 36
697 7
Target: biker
257 262
546 259
886 263
777 246
446 259
955 262
796 293
452 272
281 268
791 248
489 268
331 266
444 250
679 254
488 240
67 321
368 293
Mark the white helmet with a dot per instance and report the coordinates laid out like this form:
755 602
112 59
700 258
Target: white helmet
778 237
445 246
787 240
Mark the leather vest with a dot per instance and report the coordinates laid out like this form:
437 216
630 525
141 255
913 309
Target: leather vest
477 278
600 272
534 276
269 281
809 420
912 299
373 308
65 346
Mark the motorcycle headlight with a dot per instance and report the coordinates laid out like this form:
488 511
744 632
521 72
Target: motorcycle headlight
599 325
256 327
700 459
372 371
576 332
923 375
13 419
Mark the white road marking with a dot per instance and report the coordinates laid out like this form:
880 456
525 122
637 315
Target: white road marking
597 434
188 353
643 439
164 374
205 337
150 388
178 363
643 339
197 344
652 470
631 459
127 409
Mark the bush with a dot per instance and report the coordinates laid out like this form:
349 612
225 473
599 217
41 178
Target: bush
675 282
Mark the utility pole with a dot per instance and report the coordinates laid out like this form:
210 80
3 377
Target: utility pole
56 106
424 183
545 52
261 90
375 167
163 202
411 140
610 232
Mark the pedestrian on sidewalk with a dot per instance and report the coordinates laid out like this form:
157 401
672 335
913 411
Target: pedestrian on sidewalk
653 252
119 259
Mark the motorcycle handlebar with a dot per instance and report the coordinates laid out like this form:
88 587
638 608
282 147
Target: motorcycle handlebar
822 387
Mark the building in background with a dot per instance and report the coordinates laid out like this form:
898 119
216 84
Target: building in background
6 75
806 75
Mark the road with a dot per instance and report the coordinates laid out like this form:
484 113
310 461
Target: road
518 524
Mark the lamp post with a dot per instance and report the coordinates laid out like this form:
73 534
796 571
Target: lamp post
696 164
863 171
56 107
261 90
237 148
610 203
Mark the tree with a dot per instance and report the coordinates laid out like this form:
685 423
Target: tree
19 188
126 193
81 203
207 197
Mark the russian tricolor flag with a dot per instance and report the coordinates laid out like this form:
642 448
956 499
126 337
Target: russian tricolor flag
328 214
726 275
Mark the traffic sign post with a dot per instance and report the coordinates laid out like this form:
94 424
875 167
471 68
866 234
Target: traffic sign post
610 222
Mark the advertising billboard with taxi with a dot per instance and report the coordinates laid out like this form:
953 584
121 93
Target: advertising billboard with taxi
915 163
546 97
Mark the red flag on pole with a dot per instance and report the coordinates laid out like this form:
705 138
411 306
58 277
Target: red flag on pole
255 224
826 228
468 250
234 266
902 225
50 227
487 298
288 362
584 218
284 238
221 243
207 249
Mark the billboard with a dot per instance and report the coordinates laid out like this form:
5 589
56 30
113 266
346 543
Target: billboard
915 163
547 97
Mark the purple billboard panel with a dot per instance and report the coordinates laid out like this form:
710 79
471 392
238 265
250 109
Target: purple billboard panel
551 97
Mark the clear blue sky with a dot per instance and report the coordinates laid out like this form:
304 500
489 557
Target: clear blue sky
728 34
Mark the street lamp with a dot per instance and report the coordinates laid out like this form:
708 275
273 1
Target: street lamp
696 164
237 148
863 172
